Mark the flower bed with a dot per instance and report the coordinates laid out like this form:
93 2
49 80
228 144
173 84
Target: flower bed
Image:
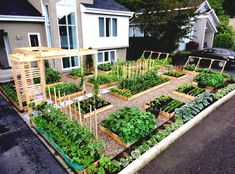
104 80
93 102
61 91
165 104
8 89
135 87
173 74
188 91
74 143
129 124
76 74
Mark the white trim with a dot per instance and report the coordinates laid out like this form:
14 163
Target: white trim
34 33
110 26
208 18
109 52
7 48
21 18
107 12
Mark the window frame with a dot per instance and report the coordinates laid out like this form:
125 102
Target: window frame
111 31
109 56
38 36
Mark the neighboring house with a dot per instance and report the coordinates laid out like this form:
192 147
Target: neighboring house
68 24
21 25
203 30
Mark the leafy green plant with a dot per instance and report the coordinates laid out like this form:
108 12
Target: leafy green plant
130 123
190 110
190 67
10 91
52 76
224 91
94 102
76 141
213 80
174 73
105 67
123 92
78 72
190 90
103 79
64 88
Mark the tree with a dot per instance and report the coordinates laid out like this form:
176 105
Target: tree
217 5
224 40
167 21
229 7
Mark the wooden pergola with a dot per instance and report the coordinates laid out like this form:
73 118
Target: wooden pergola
28 64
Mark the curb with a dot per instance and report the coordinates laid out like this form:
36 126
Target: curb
152 153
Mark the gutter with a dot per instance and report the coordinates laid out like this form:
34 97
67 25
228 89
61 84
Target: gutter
21 18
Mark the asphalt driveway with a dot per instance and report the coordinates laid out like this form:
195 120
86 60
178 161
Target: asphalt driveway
21 152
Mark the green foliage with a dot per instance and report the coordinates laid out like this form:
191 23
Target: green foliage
190 90
130 123
105 67
213 80
95 102
77 142
160 20
190 67
180 54
174 73
64 88
96 88
78 72
123 92
141 82
190 110
10 91
217 5
52 76
224 91
224 40
103 79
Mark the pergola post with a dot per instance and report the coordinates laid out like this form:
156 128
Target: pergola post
24 82
42 78
94 57
82 58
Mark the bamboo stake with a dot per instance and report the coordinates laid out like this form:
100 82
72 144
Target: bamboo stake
75 111
64 102
90 118
59 97
70 112
79 113
55 97
49 91
129 71
96 130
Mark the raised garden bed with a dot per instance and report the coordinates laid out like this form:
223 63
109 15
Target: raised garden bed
165 104
63 91
100 104
188 91
104 81
9 91
105 68
190 69
76 74
134 87
173 75
64 136
129 124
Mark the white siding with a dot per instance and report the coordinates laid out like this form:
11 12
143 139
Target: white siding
90 27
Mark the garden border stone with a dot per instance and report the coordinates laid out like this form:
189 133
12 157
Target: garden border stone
153 152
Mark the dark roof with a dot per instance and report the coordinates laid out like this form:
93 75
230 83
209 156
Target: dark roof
18 8
106 5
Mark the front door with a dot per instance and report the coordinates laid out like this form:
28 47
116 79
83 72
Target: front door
34 39
3 50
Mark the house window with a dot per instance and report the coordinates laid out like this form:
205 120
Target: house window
107 27
66 14
106 56
34 39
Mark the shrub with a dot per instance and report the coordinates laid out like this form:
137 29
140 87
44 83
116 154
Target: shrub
52 76
224 40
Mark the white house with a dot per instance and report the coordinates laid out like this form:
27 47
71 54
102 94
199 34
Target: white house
203 30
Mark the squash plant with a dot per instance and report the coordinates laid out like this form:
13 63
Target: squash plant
130 123
76 141
67 88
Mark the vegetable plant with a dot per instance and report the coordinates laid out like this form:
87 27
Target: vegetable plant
10 91
190 90
190 67
130 123
103 79
52 76
174 73
78 73
64 88
224 91
105 67
212 80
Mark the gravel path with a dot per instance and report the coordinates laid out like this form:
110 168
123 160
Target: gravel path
112 147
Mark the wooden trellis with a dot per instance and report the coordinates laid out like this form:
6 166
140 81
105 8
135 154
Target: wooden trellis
28 65
152 53
192 58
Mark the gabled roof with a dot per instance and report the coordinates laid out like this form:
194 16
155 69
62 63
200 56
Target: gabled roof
18 8
106 5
